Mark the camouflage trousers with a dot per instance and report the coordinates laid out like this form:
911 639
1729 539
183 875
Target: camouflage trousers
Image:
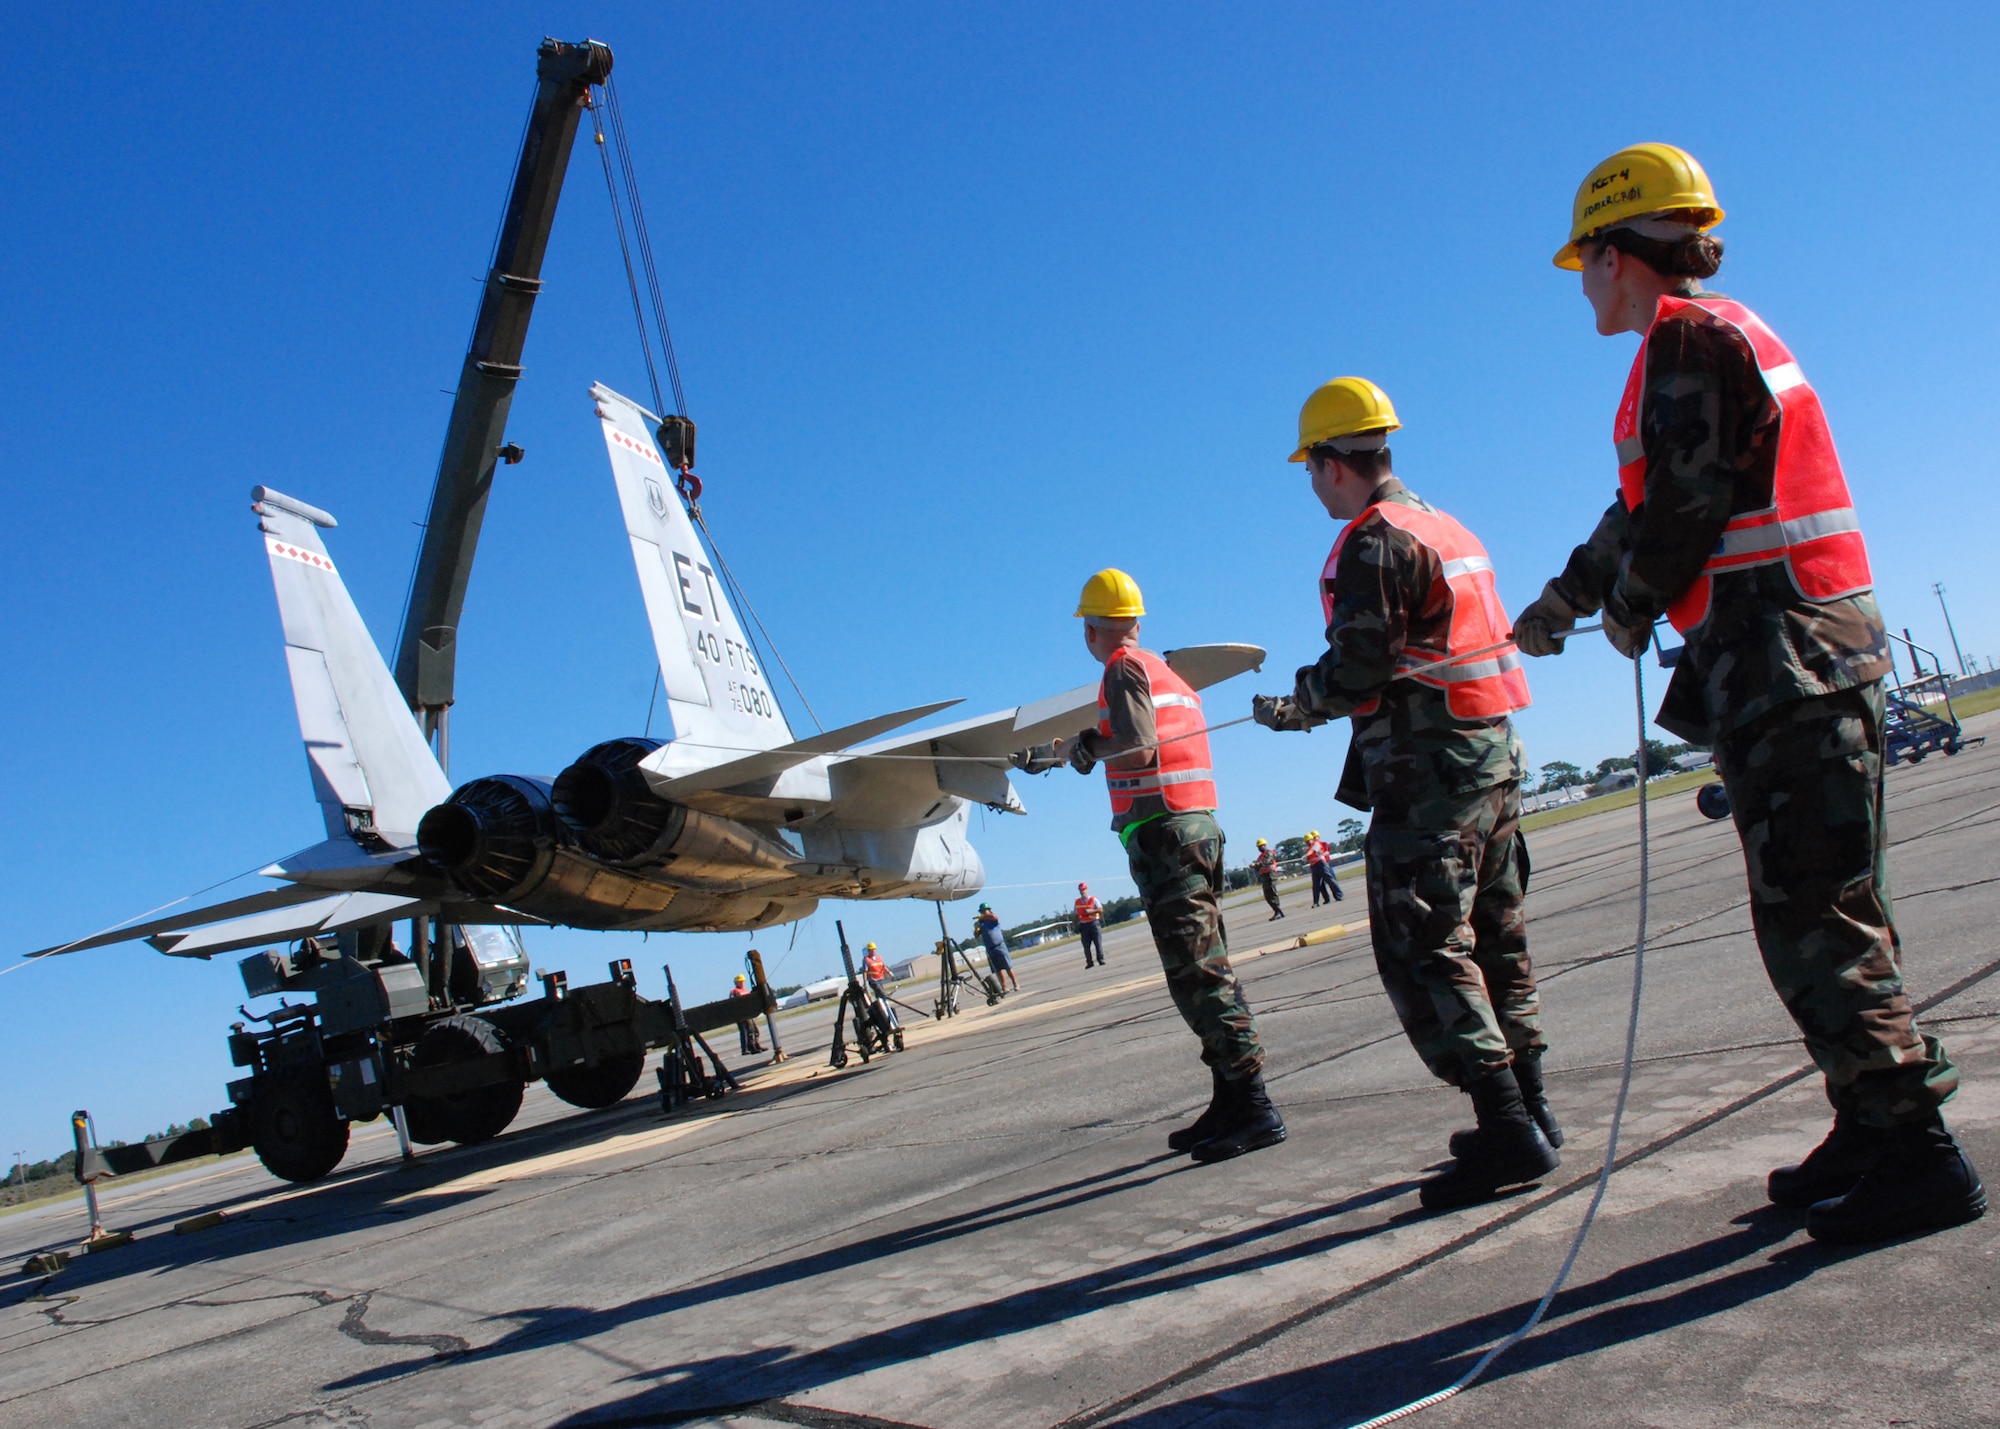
1447 882
1805 789
1177 863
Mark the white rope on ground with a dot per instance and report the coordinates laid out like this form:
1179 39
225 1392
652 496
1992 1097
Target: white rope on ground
1617 1114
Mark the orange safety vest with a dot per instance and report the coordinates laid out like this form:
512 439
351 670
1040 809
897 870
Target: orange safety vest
1089 910
1317 851
1178 770
1810 524
1480 688
875 968
1265 862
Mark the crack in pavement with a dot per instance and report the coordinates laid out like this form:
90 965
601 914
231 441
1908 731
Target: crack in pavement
443 1347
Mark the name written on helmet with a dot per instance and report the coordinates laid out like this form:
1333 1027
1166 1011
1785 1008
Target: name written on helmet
1622 196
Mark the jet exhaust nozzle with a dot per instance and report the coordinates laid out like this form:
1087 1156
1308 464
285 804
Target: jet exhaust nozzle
605 803
496 836
612 813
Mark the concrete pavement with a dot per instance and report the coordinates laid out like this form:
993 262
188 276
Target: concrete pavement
988 1230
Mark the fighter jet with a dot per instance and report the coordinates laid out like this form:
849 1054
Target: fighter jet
733 823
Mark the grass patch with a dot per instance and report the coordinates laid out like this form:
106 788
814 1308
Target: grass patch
1976 703
1623 799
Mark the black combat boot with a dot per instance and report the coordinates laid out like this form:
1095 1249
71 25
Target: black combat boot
1921 1181
1830 1169
1249 1121
1507 1148
1529 1074
1205 1125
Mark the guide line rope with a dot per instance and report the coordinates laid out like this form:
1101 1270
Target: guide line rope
1617 1114
1002 760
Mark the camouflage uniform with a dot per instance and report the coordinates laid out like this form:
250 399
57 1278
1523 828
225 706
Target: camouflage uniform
1176 860
1788 691
1447 864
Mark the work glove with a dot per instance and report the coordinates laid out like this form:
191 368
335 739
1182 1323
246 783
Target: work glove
1545 624
1282 712
1628 633
1039 759
1077 753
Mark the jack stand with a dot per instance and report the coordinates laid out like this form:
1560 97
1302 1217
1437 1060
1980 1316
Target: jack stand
770 1002
402 1125
85 1132
682 1077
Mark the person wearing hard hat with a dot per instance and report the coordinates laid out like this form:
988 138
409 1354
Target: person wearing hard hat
748 1040
876 973
1732 519
987 925
1153 743
1418 657
1265 866
1089 925
1319 859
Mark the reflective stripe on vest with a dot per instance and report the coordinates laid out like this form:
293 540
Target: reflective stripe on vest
1178 770
1811 526
1482 688
1088 910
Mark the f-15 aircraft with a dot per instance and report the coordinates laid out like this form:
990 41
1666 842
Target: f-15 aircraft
733 823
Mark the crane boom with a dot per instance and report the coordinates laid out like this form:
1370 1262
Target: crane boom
427 652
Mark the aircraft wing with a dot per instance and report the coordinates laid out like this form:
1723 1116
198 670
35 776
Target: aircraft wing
880 784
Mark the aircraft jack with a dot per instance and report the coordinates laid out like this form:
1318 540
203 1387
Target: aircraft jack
875 1026
682 1077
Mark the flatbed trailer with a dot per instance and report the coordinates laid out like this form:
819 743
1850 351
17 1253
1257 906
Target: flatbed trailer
368 1044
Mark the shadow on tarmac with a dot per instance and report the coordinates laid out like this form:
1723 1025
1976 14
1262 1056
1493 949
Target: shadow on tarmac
703 1387
1583 1319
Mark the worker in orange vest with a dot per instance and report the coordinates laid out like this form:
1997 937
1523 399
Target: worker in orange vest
1733 519
1089 925
1417 655
748 1039
1153 741
1265 866
1319 859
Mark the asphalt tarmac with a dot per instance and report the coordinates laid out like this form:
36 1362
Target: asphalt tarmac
988 1229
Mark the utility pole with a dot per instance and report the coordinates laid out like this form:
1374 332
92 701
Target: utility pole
1938 586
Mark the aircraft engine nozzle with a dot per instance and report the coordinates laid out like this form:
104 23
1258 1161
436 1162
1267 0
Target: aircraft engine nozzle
614 816
495 836
605 803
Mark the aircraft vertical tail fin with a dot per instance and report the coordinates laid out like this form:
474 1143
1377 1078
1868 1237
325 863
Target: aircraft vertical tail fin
372 772
718 695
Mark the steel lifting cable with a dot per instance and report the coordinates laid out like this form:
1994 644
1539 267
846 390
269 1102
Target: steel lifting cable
604 109
1617 1114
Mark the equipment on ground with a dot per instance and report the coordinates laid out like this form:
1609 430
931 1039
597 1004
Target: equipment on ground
1920 719
875 1028
1111 595
1344 407
1644 179
1712 800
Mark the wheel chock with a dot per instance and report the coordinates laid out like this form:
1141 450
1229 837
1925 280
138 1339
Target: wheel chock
107 1240
47 1263
205 1221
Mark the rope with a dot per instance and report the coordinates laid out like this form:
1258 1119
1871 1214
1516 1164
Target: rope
625 251
1617 1114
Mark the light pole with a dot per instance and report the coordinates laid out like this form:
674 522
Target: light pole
1938 586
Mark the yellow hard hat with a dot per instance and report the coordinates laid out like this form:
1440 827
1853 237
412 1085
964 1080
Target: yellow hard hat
1344 407
741 978
1261 844
1112 595
1312 833
1646 178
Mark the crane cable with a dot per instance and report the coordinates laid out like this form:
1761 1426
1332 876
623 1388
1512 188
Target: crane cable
606 112
1417 1406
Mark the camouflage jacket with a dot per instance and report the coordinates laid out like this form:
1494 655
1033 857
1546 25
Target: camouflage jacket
1410 751
1710 430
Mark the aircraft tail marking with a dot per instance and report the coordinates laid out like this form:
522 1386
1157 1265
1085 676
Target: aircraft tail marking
719 698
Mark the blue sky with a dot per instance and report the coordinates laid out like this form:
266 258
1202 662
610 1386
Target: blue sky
970 302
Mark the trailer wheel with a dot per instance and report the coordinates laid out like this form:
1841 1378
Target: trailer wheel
603 1085
469 1116
293 1126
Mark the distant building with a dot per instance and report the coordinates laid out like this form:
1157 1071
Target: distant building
1614 781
